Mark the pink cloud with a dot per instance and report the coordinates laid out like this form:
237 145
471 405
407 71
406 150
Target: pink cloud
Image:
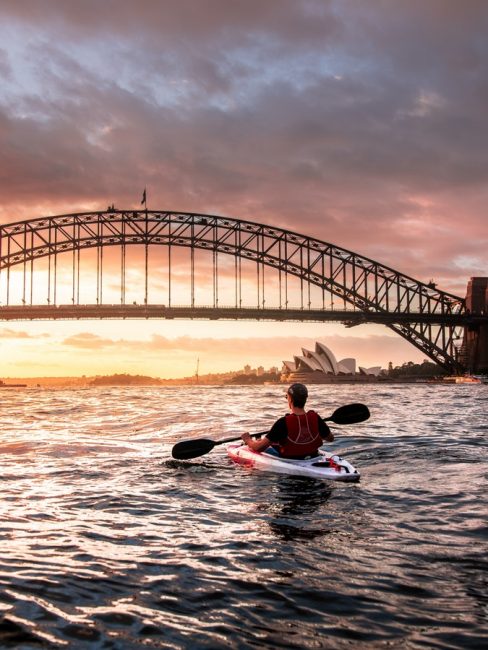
359 124
6 333
87 340
369 350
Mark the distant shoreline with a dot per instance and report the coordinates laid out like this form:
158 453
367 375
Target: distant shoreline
135 381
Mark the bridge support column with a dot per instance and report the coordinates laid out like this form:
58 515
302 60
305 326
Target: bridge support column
475 343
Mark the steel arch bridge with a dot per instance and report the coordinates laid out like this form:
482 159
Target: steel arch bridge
355 289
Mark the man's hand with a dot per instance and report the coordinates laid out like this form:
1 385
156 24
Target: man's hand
255 445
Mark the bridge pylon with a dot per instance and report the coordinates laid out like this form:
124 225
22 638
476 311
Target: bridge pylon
474 351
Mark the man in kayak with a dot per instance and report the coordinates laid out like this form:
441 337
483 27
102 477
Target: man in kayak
296 435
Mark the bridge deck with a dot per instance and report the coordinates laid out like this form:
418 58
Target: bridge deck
131 311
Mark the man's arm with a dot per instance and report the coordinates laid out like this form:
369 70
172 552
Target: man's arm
256 445
324 430
275 435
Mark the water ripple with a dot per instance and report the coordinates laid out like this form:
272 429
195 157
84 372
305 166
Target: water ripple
108 542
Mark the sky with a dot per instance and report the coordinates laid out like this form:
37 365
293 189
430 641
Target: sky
363 124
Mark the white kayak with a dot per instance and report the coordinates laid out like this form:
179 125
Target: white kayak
324 465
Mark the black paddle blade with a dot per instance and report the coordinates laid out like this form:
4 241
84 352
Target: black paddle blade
350 414
187 449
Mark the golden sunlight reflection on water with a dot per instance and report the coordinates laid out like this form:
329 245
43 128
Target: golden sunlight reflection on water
108 540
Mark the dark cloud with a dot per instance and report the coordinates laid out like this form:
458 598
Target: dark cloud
5 70
363 124
182 20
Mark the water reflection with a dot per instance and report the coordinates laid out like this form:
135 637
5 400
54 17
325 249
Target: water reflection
109 543
294 502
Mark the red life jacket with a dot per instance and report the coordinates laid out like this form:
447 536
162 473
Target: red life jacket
304 438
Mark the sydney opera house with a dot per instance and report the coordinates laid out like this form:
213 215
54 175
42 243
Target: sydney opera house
321 367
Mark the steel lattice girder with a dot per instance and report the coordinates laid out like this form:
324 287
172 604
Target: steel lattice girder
358 281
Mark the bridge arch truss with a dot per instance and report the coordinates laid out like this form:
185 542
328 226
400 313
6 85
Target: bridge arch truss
365 290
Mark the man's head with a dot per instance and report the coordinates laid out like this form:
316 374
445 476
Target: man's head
298 394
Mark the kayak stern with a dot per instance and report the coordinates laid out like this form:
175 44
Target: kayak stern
324 466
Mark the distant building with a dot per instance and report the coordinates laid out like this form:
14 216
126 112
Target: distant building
321 366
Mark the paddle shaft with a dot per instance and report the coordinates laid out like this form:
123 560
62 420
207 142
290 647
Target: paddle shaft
253 435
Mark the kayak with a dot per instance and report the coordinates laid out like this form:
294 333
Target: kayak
324 465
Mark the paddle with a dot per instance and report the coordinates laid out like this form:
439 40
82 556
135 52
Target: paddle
186 449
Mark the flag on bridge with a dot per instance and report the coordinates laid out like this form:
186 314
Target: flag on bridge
143 202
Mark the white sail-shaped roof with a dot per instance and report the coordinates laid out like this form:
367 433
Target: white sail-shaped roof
289 365
374 370
302 363
318 360
347 366
322 360
327 356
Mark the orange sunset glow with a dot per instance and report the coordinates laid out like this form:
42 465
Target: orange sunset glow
307 119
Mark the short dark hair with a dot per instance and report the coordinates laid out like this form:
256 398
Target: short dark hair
298 394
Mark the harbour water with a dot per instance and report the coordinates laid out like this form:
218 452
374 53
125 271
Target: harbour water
107 542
